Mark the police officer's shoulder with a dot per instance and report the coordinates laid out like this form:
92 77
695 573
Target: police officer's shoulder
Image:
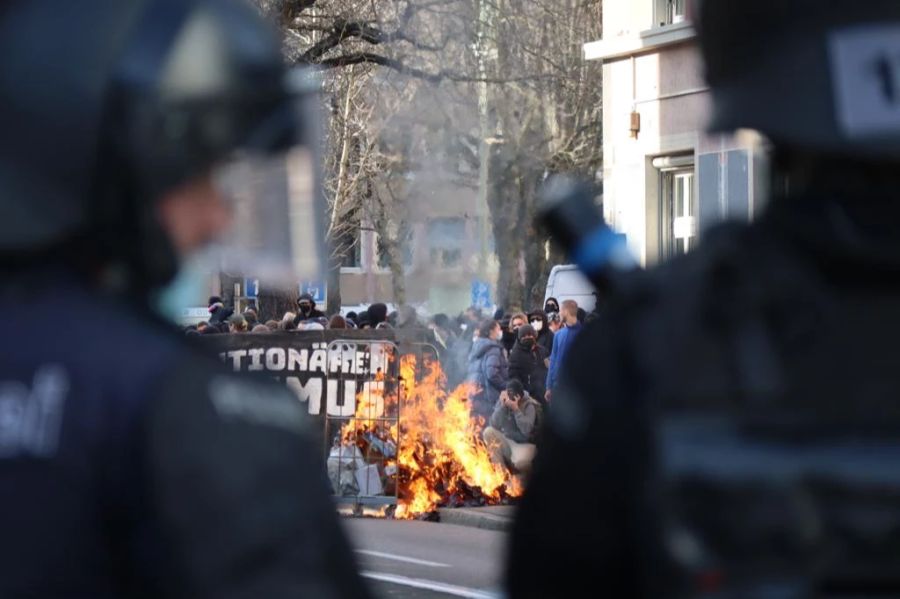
201 388
170 372
667 330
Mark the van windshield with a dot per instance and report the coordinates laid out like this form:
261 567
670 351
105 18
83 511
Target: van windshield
570 283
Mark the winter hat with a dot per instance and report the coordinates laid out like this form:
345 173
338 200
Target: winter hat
377 314
307 297
526 330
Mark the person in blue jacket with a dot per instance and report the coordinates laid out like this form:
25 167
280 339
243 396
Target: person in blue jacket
562 341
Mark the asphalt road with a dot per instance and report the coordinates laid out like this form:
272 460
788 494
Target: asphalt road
427 560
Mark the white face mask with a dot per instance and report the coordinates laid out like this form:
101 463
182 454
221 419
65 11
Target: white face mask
498 335
537 325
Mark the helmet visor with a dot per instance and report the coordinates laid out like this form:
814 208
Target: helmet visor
275 234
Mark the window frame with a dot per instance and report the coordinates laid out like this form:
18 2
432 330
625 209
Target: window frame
408 247
664 14
440 251
670 221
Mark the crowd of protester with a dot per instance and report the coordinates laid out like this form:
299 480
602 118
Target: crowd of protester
307 317
512 358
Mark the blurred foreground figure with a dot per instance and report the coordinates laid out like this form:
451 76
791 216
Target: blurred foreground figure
131 465
730 427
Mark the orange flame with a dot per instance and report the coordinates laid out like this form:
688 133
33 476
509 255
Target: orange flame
437 441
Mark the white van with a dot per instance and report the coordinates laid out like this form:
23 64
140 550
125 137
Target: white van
567 282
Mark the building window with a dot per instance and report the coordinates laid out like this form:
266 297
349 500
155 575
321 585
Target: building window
404 237
352 257
678 226
348 242
670 12
445 241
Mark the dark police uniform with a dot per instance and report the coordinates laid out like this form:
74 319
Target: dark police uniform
730 427
134 465
731 423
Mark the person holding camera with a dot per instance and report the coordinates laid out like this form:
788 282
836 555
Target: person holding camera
512 435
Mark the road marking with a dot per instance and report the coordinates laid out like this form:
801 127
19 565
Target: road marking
432 585
401 558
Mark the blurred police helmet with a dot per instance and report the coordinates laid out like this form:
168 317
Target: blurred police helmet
818 75
106 105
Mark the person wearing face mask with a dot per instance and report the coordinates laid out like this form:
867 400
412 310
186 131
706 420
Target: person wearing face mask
527 362
554 323
544 335
488 369
306 309
551 305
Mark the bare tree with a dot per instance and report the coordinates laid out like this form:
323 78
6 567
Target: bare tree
513 65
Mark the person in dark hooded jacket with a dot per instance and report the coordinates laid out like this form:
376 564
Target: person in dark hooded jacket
527 362
219 314
551 305
487 368
538 320
306 309
377 314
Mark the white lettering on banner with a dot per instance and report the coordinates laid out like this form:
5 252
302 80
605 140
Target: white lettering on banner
236 356
297 359
30 419
275 359
319 360
255 359
310 392
373 393
865 64
348 406
378 358
316 375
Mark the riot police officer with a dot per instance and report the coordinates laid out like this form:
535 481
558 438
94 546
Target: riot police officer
729 427
132 464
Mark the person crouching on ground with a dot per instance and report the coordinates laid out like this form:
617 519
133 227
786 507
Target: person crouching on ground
512 434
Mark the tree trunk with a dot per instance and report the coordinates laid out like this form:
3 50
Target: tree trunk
505 204
398 283
273 302
333 280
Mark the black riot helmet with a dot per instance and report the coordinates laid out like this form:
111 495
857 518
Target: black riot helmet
818 75
107 104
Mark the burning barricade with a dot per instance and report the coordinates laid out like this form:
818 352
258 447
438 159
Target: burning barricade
413 446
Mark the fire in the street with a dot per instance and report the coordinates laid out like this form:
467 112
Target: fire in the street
437 453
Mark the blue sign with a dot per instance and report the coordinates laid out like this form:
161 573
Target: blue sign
251 288
317 289
481 294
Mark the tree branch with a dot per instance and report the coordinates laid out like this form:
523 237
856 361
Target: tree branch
435 77
341 31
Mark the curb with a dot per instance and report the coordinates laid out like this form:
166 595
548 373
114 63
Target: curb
474 518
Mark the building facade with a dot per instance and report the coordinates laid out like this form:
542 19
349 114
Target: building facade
442 249
665 180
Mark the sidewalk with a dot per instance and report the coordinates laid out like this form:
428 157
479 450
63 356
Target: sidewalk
492 517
